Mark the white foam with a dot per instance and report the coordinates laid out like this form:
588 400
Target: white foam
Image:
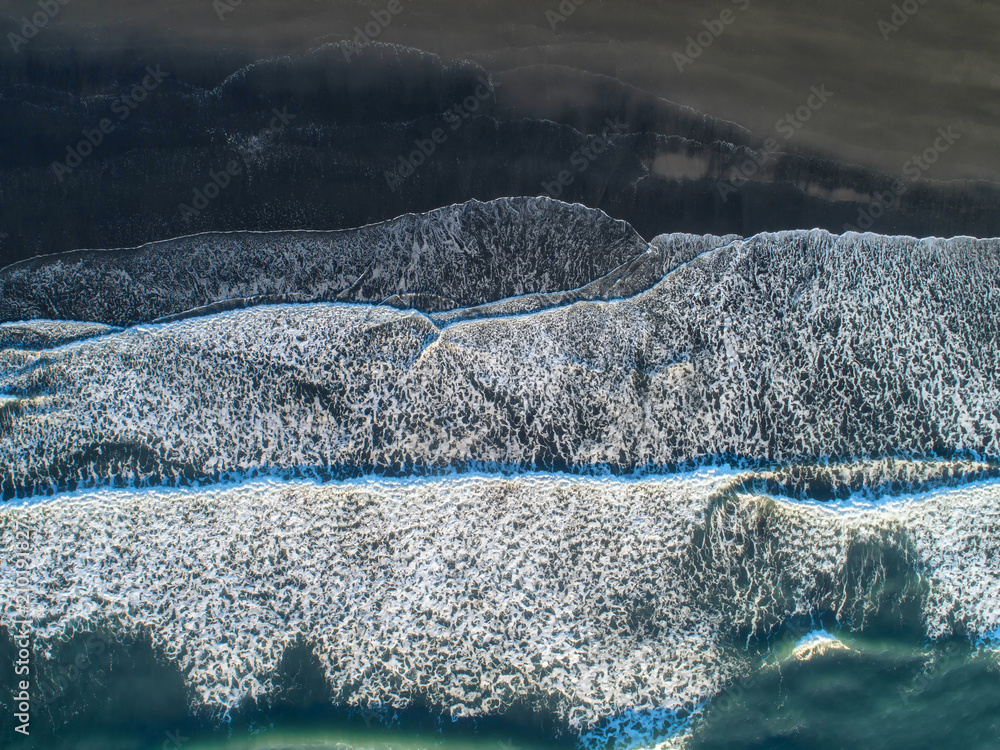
471 592
617 601
841 347
955 533
817 643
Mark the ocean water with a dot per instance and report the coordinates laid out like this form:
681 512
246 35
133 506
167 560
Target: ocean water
499 375
711 492
478 611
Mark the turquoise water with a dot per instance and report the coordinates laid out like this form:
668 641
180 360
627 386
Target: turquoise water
818 691
863 694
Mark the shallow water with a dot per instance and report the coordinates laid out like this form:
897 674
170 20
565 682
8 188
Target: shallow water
585 611
809 692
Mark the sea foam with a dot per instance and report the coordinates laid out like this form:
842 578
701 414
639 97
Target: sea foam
620 606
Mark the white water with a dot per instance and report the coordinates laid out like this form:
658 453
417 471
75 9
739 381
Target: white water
471 592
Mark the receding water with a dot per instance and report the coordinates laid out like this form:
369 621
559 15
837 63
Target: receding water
881 694
816 691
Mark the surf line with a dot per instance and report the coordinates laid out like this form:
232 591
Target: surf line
21 627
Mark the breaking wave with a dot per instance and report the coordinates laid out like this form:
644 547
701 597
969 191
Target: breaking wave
616 608
504 461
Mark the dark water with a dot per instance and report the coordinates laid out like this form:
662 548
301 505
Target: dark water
878 694
867 153
805 691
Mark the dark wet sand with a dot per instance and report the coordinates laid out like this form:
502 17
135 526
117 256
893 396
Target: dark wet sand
941 69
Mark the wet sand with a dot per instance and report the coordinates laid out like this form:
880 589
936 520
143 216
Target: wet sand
890 95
